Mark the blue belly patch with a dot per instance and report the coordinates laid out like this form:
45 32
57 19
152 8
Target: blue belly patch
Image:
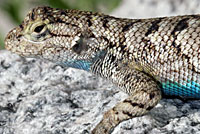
191 89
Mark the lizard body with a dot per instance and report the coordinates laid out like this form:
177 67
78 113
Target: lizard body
146 58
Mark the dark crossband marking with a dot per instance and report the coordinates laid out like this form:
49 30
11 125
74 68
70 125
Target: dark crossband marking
89 22
129 25
154 26
181 25
105 21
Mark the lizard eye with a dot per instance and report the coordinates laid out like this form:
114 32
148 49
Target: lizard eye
37 32
38 29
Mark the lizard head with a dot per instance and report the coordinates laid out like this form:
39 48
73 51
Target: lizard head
54 34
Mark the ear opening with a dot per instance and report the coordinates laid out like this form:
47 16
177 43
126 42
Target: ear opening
81 45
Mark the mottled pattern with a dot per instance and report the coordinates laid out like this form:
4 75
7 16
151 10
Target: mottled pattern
143 57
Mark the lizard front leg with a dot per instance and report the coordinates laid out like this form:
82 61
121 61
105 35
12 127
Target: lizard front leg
144 95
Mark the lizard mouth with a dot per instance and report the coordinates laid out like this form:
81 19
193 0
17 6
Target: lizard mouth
11 40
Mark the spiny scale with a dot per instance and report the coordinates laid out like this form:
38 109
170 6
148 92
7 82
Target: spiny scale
144 57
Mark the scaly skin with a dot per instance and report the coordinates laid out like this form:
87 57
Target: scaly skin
143 57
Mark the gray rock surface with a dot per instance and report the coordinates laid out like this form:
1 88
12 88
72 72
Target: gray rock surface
39 97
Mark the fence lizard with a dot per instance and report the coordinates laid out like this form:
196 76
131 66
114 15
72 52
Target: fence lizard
146 58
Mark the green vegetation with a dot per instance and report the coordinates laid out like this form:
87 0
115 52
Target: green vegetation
1 42
15 8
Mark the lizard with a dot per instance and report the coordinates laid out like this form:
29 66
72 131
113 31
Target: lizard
145 58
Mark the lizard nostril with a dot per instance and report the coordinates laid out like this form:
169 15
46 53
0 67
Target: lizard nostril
9 36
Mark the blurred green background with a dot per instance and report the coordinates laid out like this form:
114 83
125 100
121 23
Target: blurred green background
15 10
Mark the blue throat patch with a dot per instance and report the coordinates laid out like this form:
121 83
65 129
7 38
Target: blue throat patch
79 64
83 64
